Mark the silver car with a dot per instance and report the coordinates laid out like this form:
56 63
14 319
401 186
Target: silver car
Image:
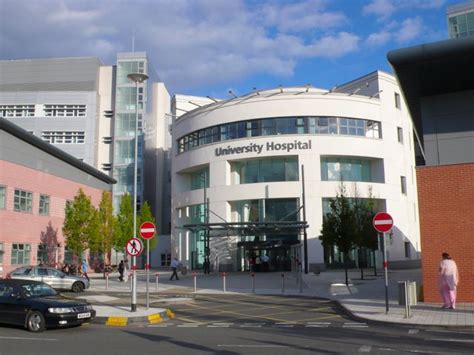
53 277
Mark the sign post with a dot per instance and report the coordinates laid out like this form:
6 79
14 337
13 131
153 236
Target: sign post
383 223
147 231
134 248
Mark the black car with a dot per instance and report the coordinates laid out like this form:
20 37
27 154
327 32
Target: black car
37 306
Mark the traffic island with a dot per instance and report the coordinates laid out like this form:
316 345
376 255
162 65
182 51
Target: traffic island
121 316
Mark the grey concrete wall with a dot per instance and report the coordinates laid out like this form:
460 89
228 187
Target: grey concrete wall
20 152
448 128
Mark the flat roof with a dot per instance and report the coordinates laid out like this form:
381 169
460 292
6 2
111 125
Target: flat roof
37 142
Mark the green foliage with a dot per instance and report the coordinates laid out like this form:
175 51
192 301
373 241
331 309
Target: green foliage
124 226
147 216
80 227
366 235
107 224
339 224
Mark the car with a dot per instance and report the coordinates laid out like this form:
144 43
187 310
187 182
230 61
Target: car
36 306
53 277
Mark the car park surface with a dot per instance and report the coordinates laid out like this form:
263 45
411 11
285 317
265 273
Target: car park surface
37 306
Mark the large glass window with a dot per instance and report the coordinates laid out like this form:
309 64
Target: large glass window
345 169
3 197
267 210
199 179
266 170
44 205
20 254
42 254
23 201
280 126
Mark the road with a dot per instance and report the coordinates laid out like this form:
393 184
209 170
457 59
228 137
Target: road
243 325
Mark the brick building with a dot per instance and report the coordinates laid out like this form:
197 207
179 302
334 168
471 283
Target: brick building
437 80
36 181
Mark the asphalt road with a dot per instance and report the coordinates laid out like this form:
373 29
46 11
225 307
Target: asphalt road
243 325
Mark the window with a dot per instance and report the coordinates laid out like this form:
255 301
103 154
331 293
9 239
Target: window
20 254
397 101
403 182
23 201
17 110
44 205
400 134
407 249
3 197
199 179
42 254
60 137
345 169
266 170
165 259
65 110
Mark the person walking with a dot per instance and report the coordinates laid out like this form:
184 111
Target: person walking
174 267
448 281
121 269
85 269
266 262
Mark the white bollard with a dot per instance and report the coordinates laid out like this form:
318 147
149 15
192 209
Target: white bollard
282 283
106 280
253 282
157 281
223 280
195 282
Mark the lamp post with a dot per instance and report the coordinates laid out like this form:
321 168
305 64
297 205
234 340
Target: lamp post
137 78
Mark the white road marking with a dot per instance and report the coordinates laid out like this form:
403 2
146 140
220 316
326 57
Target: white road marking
252 325
284 325
365 349
386 349
250 346
317 325
188 325
413 331
21 338
355 325
456 340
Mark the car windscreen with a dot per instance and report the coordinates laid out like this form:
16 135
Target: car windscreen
22 271
38 290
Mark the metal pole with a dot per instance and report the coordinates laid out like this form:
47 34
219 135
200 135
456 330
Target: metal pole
107 281
407 301
253 283
385 268
282 283
305 234
301 281
157 281
147 273
195 282
135 189
223 280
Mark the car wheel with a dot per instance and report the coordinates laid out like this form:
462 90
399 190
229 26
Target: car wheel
77 286
35 322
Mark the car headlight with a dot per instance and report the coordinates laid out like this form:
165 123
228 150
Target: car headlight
60 310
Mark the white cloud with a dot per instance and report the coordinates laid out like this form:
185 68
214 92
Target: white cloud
380 8
406 31
334 46
379 38
384 9
409 29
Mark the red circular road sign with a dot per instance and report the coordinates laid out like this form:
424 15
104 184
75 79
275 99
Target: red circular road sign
147 230
382 222
134 247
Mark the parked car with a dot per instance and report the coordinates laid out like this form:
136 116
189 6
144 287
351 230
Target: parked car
37 306
53 277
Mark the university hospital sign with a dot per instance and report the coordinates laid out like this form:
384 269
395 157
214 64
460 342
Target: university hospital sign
269 146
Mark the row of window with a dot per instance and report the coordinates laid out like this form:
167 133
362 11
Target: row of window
21 254
64 137
23 201
50 110
280 126
461 25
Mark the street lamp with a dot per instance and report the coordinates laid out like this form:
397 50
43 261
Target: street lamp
137 78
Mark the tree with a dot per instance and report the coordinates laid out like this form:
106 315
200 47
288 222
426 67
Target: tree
107 225
124 227
339 226
147 216
80 224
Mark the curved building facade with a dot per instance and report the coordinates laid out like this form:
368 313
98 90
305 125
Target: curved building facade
244 157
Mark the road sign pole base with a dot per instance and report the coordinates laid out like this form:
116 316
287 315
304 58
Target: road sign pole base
134 307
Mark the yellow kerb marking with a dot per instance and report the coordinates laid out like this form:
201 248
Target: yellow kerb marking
117 321
170 313
155 318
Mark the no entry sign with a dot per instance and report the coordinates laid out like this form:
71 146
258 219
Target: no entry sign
134 247
147 230
383 222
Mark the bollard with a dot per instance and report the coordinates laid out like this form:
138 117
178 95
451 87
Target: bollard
130 279
157 281
301 281
195 282
223 280
282 283
253 282
106 280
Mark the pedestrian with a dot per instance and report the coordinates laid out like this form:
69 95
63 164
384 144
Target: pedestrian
121 269
265 261
174 267
65 269
85 269
258 264
125 270
448 281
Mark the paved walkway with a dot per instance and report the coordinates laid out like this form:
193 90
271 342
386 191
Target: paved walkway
364 299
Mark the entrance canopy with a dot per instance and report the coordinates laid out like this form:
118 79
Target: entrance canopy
244 229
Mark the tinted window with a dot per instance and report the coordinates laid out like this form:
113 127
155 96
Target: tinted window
22 271
37 290
42 272
6 291
54 272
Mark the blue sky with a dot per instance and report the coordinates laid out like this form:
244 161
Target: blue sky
207 47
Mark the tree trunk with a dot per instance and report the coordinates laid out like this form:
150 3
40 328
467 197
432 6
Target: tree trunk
361 264
346 268
375 264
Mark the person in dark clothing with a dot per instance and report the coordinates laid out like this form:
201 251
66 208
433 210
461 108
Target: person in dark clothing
121 269
174 267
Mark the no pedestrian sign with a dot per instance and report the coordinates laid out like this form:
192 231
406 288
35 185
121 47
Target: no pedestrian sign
147 230
134 247
383 222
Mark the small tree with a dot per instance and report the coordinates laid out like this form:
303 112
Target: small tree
107 226
80 224
124 227
339 226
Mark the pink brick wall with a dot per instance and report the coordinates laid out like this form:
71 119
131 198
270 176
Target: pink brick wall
446 200
21 227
